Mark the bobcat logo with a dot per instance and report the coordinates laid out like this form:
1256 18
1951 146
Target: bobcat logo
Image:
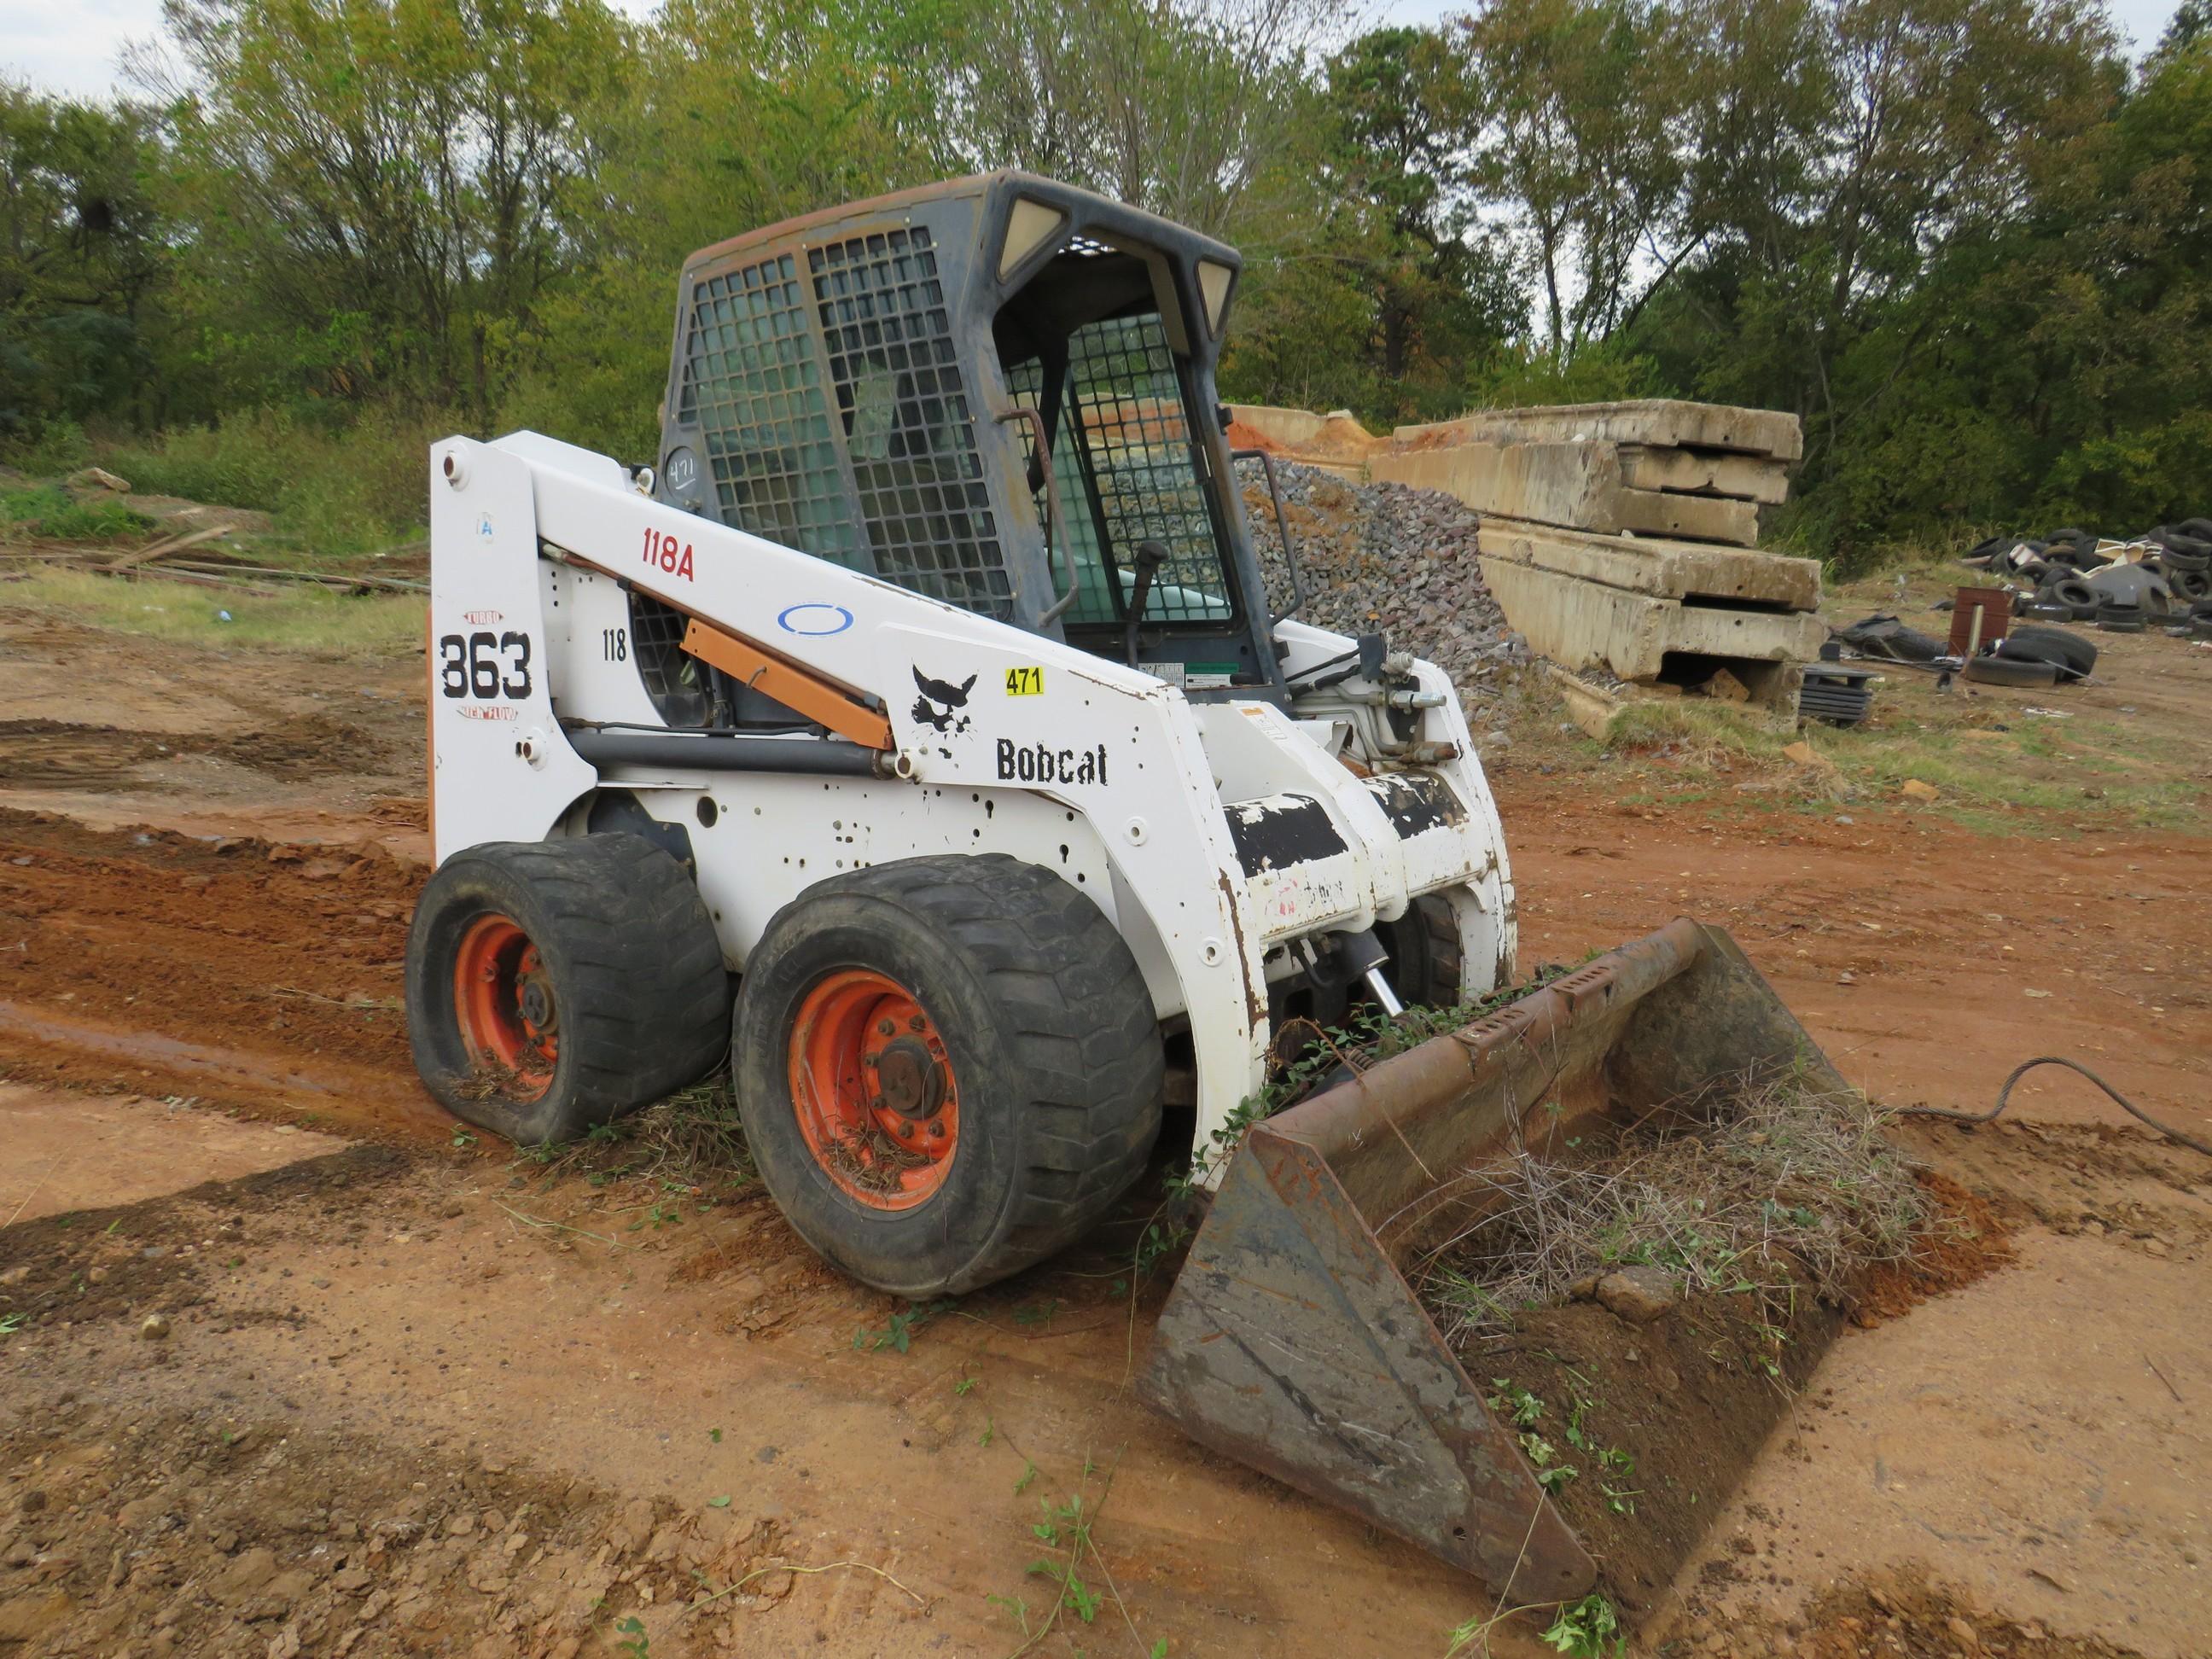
934 693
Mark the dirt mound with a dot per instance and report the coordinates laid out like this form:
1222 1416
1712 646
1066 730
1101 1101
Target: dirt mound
1967 1241
1387 558
260 974
54 754
1906 1615
213 1532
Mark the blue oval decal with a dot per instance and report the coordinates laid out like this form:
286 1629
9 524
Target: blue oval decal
814 619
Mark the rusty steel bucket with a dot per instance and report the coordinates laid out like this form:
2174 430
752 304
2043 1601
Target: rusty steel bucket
1292 1340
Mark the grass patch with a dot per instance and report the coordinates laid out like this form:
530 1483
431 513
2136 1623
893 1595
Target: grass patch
306 619
48 510
2007 779
1757 1187
340 491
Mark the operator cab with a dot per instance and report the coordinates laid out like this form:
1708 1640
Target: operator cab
998 393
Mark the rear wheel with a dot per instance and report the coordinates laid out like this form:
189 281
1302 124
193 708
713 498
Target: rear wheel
948 1068
554 985
1423 969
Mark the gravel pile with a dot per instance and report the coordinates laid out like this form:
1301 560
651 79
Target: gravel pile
1387 558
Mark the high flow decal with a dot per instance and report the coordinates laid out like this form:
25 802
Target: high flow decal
1039 763
939 700
1026 682
814 620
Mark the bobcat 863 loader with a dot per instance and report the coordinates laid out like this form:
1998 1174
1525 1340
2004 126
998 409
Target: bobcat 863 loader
919 732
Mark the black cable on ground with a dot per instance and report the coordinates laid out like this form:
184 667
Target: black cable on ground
2004 1098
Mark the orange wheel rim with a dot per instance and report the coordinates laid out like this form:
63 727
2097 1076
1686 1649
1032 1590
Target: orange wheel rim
873 1090
503 1003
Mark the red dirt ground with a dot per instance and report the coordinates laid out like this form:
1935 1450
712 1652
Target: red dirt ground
386 1368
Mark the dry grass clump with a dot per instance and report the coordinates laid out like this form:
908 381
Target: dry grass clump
692 1138
1761 1185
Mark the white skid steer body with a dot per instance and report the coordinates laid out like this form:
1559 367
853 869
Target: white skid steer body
1226 841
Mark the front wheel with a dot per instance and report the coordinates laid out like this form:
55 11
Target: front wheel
948 1067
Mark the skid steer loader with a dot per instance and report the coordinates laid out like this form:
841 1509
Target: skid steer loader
926 690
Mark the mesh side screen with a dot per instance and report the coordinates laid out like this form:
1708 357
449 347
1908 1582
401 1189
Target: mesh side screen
1025 379
676 681
909 431
1128 407
752 382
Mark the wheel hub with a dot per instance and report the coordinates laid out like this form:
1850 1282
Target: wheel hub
911 1077
873 1090
504 1004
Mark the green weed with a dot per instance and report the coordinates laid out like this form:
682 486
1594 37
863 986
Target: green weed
337 489
1585 1628
50 511
898 1332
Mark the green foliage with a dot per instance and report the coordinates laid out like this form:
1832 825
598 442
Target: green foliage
898 1332
1587 1629
340 488
50 510
1961 238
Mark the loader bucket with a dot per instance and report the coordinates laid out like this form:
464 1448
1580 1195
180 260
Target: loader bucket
1293 1340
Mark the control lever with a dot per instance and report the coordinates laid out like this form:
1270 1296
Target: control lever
1151 555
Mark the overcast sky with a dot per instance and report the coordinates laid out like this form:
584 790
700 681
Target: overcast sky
72 45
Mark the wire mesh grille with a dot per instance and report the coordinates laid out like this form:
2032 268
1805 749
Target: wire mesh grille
675 680
909 431
752 383
1128 403
1125 404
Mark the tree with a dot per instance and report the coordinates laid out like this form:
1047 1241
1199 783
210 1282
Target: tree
379 186
82 259
1573 136
1179 107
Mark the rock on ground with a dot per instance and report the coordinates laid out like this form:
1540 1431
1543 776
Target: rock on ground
1387 558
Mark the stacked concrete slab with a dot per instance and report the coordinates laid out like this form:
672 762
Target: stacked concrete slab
1617 536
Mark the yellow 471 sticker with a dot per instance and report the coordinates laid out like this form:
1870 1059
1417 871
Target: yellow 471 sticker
1026 682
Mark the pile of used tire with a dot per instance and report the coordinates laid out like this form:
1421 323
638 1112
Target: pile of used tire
2161 579
2029 654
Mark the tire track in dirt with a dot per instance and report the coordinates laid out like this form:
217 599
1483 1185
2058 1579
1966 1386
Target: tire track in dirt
263 975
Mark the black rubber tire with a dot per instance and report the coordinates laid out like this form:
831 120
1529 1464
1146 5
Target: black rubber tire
2190 586
2200 609
2199 528
2007 670
2077 655
1423 969
1050 1033
635 969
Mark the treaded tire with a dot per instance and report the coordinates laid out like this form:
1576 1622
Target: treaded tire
2007 670
633 965
1423 969
1051 1039
2075 655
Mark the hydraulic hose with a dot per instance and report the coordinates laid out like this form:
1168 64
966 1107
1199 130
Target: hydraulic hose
2004 1099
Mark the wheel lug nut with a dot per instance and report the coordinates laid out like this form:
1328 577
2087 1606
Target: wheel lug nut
886 1028
875 1103
937 1132
917 1024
